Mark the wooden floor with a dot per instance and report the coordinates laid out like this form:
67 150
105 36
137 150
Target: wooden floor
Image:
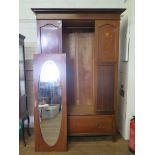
100 145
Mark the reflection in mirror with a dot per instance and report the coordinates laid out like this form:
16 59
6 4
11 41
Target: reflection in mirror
50 102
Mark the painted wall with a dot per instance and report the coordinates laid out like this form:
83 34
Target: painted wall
126 104
131 68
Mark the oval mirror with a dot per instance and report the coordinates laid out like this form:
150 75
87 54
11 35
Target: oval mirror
49 100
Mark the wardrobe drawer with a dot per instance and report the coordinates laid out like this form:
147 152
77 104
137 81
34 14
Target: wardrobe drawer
91 125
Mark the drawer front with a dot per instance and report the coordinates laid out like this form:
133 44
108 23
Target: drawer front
91 125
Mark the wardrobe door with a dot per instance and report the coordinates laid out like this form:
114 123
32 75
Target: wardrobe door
106 66
49 36
105 87
107 33
50 111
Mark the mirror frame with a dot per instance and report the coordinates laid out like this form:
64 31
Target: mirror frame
40 144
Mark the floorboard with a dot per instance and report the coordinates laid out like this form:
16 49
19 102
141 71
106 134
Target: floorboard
96 145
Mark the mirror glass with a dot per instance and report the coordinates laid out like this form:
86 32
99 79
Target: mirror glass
50 102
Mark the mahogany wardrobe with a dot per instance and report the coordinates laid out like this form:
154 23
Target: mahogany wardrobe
84 45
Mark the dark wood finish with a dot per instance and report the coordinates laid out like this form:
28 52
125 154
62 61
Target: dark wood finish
77 13
49 36
91 125
78 10
78 23
40 144
111 16
23 107
69 49
106 33
106 66
78 26
105 88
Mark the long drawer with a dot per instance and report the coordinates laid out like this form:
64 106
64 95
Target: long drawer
91 125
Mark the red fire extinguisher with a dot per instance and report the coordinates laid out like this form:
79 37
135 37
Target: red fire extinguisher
132 135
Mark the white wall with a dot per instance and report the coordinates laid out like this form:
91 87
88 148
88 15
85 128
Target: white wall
131 68
126 105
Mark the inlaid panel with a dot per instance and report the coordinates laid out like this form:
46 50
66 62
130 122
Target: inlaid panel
50 36
105 88
106 40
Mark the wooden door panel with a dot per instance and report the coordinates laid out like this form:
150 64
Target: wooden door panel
85 69
50 36
105 88
106 40
79 48
69 42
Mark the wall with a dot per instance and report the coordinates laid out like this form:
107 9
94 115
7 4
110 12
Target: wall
126 104
131 68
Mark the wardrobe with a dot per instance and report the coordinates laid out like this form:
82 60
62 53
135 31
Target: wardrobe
90 40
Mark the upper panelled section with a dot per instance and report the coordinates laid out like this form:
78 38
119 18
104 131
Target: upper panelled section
50 36
106 40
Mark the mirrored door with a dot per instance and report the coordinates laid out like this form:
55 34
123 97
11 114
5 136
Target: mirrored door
50 102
